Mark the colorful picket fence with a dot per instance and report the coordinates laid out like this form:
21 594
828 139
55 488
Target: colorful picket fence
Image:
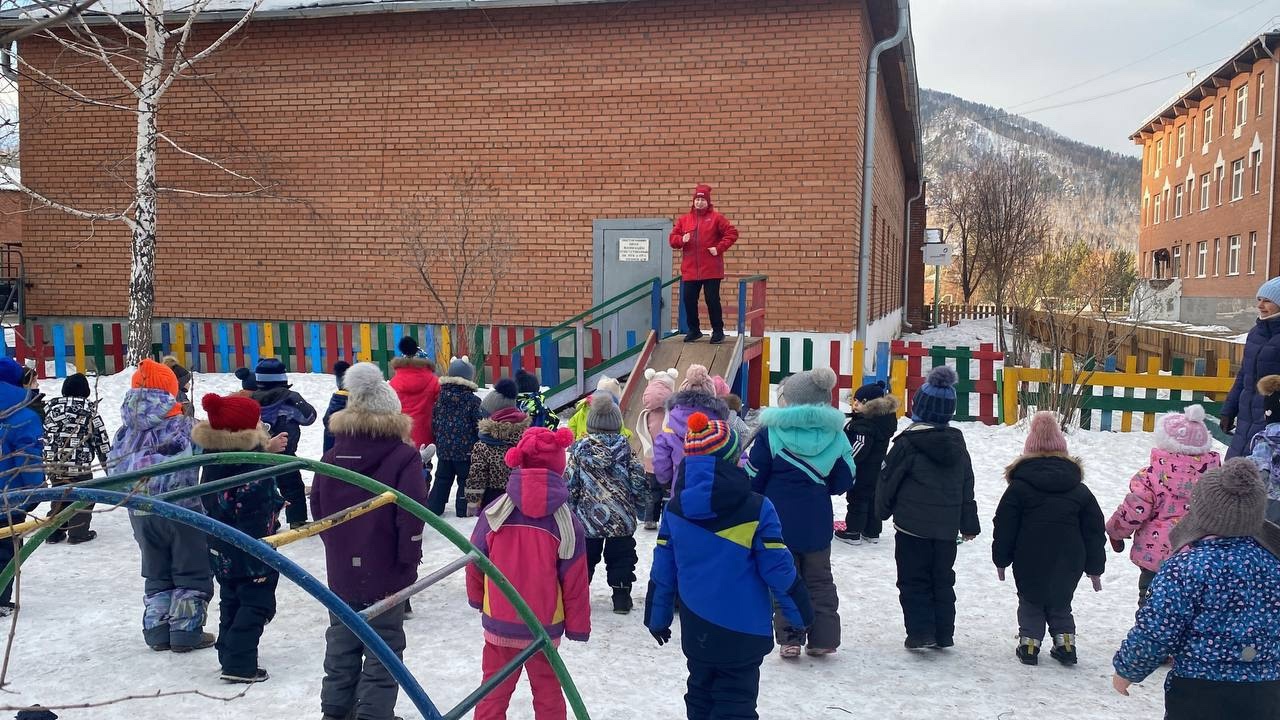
977 391
221 346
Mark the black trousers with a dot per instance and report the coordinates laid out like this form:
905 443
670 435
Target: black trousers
926 585
77 528
1196 699
8 548
689 295
619 559
1145 577
246 605
449 473
657 498
1033 618
860 517
723 692
294 493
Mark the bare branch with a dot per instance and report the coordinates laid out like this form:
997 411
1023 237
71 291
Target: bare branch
164 136
128 698
71 12
212 47
61 207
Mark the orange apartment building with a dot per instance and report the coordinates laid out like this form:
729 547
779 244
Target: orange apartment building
1207 237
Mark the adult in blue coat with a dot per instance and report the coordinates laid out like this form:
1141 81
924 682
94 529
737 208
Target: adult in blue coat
1242 413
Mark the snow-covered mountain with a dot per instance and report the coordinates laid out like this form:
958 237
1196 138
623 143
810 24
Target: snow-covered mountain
1096 190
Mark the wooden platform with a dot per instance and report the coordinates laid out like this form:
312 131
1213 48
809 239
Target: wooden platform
674 352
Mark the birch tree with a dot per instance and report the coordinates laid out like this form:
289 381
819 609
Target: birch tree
145 52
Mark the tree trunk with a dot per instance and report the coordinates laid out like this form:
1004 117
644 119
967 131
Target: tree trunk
142 269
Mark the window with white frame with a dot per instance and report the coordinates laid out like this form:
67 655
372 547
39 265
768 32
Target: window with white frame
1182 142
1217 256
1208 125
1253 252
1222 126
1191 195
1255 158
1262 86
1156 211
1167 207
1237 179
1146 211
1146 269
1177 202
1159 155
1233 255
1186 272
1242 104
1204 191
1202 258
1217 177
1177 262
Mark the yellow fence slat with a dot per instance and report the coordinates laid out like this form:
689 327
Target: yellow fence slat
898 384
1126 418
855 365
77 341
178 349
268 348
366 342
766 372
1012 379
1153 372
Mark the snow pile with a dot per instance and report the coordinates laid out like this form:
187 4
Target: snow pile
967 333
82 607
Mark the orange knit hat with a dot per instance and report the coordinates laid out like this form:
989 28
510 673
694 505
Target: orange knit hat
157 376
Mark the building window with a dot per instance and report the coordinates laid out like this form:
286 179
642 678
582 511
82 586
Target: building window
1146 211
1262 86
1202 257
1253 252
1222 129
1242 104
1256 158
1145 268
1204 191
1217 256
1237 179
1177 202
1186 272
1217 177
1191 195
1177 261
1208 125
1167 207
1233 255
1159 155
1156 214
1182 142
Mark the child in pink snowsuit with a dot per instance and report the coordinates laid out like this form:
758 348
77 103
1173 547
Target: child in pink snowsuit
1160 493
662 385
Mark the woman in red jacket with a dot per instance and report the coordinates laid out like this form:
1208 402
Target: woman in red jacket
703 235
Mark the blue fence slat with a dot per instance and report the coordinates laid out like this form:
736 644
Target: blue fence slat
316 351
4 346
1108 366
60 351
164 338
193 347
255 343
631 339
224 348
429 340
550 353
397 332
882 363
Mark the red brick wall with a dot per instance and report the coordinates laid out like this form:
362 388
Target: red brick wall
12 204
577 113
1220 221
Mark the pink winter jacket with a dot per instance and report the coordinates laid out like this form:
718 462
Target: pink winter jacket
651 418
1159 496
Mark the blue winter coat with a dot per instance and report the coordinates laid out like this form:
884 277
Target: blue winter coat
1215 609
455 419
21 446
800 458
719 540
337 403
1261 358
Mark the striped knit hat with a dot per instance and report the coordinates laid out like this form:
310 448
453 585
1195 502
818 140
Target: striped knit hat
711 437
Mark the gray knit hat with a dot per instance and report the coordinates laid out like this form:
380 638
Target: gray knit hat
1228 501
502 396
461 367
811 387
368 391
604 416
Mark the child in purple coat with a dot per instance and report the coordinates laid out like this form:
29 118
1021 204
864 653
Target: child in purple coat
697 394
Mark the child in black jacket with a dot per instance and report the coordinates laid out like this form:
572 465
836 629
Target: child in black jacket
247 596
927 487
74 438
284 411
337 402
1050 528
870 428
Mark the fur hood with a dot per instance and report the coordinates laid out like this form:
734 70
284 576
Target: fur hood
204 435
413 362
885 405
1008 471
503 431
698 401
451 380
357 422
821 417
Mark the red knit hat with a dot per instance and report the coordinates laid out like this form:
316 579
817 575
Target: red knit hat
541 448
233 412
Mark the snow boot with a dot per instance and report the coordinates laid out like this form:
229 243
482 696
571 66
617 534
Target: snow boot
1064 648
852 538
58 536
1028 651
206 641
257 676
77 539
919 643
622 600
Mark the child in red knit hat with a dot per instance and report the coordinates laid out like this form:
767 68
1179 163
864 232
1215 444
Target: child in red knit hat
532 536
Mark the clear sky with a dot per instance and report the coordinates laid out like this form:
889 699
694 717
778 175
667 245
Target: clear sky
1024 55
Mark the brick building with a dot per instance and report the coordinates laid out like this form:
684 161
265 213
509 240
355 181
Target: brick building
1207 238
577 113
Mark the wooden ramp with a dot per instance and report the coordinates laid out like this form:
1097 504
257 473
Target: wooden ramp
674 352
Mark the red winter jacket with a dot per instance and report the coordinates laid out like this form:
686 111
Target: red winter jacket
708 229
418 388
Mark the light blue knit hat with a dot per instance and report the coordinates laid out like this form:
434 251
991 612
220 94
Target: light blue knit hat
1270 290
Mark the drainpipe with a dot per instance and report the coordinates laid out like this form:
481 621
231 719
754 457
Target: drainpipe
1271 191
906 246
868 160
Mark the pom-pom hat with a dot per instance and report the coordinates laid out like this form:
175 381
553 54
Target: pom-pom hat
811 387
233 412
369 392
604 416
710 437
1045 435
697 378
502 396
935 401
1184 433
541 448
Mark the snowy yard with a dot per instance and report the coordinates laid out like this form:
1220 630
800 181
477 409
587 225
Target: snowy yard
79 634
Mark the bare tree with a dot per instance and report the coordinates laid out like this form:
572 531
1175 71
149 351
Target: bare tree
461 243
953 203
145 52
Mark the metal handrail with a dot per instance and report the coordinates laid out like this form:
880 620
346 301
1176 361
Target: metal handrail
97 490
568 325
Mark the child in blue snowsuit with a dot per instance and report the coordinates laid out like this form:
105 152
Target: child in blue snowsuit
719 540
21 451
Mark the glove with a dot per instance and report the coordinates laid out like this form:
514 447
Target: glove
663 636
1117 545
1097 582
1227 423
1000 573
427 452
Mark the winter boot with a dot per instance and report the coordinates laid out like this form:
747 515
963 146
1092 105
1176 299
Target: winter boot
206 641
622 600
1064 648
256 676
853 538
1028 651
77 539
914 642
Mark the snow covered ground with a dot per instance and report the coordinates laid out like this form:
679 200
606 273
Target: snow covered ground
78 634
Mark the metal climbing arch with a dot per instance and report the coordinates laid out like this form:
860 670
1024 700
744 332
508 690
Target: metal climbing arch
122 490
